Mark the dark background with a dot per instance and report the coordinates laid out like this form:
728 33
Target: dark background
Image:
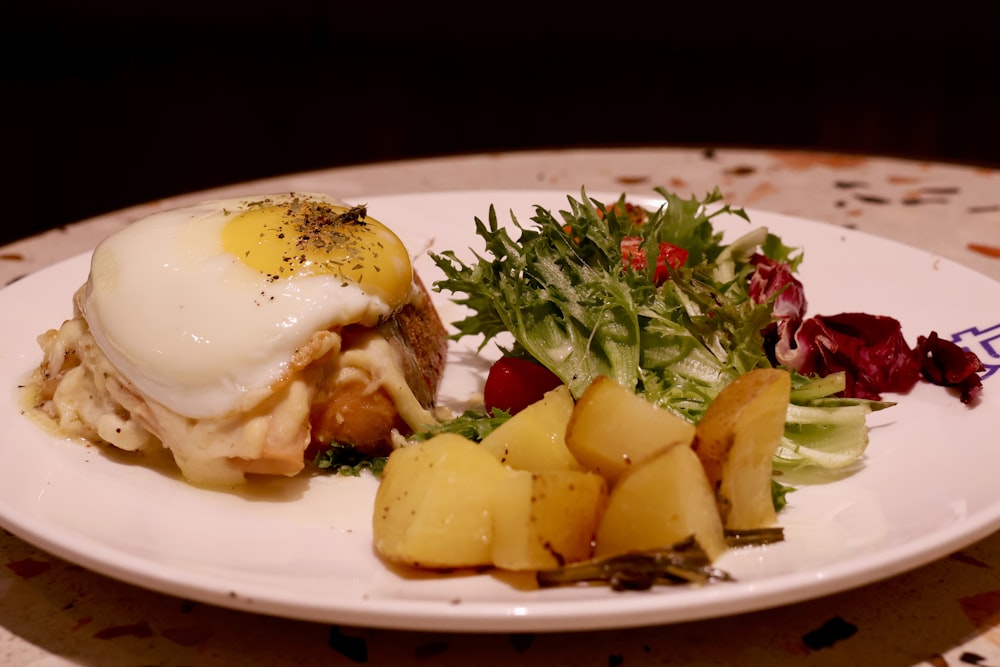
108 104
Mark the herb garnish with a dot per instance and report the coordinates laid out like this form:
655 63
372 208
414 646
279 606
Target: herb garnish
348 461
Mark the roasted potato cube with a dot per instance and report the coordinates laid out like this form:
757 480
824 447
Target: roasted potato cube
546 519
660 502
612 429
433 508
736 440
534 438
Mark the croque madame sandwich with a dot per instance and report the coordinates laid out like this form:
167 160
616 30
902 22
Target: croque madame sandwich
238 334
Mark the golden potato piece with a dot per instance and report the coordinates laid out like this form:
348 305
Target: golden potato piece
736 441
546 519
433 508
534 438
660 502
612 429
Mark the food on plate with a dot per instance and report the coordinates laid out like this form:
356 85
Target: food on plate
687 381
658 375
682 563
514 383
536 440
432 507
661 502
452 502
613 429
240 332
736 440
546 519
577 294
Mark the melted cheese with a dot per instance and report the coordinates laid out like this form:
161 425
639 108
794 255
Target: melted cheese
89 398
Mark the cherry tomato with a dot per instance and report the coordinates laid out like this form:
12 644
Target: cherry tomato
633 256
513 384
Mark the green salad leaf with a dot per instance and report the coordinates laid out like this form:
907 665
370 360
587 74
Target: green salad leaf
472 424
560 287
347 461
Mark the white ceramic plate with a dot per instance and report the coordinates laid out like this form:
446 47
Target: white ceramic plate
302 548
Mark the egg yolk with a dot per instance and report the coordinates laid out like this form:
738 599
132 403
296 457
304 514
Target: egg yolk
301 237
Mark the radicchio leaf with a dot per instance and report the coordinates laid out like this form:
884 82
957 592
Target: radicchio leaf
774 280
869 348
944 363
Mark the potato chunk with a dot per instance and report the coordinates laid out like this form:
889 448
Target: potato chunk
662 501
736 440
534 438
433 508
612 429
546 519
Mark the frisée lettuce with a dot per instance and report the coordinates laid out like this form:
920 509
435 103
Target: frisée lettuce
576 293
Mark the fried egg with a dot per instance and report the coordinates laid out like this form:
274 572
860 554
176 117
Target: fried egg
202 308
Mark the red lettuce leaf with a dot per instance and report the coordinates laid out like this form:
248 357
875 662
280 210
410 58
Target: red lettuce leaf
774 280
870 349
944 363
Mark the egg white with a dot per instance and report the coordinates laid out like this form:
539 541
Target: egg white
194 328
